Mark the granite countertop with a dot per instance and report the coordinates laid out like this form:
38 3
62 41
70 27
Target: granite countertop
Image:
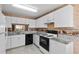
20 33
58 39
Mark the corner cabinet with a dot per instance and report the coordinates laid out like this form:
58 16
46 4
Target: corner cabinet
64 17
31 23
40 23
57 47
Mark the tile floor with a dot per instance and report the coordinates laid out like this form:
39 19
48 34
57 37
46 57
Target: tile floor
30 49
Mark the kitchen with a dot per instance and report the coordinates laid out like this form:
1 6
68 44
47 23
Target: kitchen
42 32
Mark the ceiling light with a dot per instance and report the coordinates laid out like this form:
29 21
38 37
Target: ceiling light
25 7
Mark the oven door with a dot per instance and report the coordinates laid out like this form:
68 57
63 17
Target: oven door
44 42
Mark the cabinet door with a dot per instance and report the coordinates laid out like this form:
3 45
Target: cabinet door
38 23
41 23
2 18
8 42
36 39
8 21
2 44
57 47
60 48
18 40
21 40
31 23
14 41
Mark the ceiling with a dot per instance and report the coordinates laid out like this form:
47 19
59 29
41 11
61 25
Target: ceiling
42 9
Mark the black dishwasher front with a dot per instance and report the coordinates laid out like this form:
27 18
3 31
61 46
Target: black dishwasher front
28 39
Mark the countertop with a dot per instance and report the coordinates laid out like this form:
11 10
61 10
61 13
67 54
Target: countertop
61 38
20 33
51 37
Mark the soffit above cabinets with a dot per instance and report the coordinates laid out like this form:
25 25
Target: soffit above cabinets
42 9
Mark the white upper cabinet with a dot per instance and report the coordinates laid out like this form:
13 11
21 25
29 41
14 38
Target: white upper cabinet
8 21
64 17
2 22
16 20
40 23
50 17
2 18
31 23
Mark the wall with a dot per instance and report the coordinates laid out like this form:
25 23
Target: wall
0 5
76 47
76 25
76 15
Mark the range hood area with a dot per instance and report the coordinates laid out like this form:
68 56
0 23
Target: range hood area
50 26
50 21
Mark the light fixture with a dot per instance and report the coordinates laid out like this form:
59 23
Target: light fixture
27 7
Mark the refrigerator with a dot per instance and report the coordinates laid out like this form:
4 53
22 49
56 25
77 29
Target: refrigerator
2 34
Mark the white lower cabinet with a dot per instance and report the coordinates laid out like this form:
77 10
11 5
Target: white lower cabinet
18 40
36 39
60 48
2 44
15 41
8 42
